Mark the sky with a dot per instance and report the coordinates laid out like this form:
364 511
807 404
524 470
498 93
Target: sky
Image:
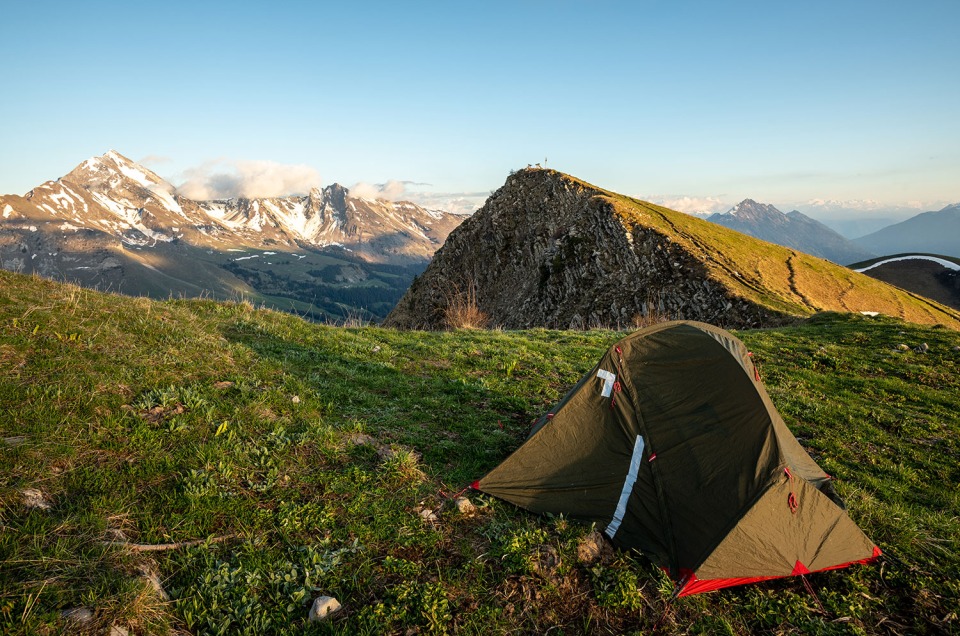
837 107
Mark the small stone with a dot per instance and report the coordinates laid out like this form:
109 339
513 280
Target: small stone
360 439
923 348
464 505
548 560
118 630
376 349
80 615
16 440
33 498
903 347
295 399
427 515
323 606
592 548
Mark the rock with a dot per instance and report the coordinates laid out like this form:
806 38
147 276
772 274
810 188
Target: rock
360 439
923 348
81 615
16 440
118 630
295 399
903 347
323 607
593 548
33 498
376 349
547 561
428 515
464 505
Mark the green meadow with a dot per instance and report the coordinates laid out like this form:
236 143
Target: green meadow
200 467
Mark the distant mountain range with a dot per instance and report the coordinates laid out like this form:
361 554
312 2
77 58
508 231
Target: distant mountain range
794 229
113 224
930 232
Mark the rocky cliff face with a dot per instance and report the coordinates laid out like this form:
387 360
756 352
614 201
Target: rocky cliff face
549 251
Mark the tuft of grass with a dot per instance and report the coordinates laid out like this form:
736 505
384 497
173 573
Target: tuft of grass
461 310
311 460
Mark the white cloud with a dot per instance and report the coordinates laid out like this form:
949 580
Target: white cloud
224 179
690 204
392 190
464 203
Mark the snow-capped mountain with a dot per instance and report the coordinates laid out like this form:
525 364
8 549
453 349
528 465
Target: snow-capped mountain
122 198
794 229
113 223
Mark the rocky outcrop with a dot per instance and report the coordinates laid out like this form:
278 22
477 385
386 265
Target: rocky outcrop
547 250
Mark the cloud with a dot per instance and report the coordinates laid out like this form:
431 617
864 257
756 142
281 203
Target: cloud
464 203
225 179
392 190
690 204
154 160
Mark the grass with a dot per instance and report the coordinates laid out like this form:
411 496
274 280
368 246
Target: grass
313 457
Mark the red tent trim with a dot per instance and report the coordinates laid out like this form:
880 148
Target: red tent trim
692 585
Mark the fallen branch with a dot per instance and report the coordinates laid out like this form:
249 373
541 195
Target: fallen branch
159 547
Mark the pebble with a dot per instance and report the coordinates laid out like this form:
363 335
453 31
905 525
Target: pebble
323 606
464 505
78 614
33 498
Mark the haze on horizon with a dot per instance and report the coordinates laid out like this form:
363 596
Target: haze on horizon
830 108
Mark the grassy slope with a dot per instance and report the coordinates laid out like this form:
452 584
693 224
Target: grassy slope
781 278
130 431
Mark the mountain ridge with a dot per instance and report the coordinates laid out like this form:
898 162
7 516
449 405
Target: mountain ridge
550 250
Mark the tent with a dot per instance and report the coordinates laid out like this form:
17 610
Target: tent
673 447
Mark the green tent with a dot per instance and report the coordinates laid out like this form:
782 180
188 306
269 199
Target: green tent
672 445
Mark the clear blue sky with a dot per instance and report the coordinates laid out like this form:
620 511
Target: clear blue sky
782 102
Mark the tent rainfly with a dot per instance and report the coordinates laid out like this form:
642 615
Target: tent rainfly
673 445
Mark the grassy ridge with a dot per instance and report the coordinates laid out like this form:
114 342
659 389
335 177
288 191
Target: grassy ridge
781 278
312 452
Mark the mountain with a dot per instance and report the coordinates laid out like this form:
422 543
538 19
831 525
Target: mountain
549 250
113 224
932 275
929 232
795 229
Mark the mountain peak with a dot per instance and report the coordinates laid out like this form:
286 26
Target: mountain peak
111 169
748 209
795 230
